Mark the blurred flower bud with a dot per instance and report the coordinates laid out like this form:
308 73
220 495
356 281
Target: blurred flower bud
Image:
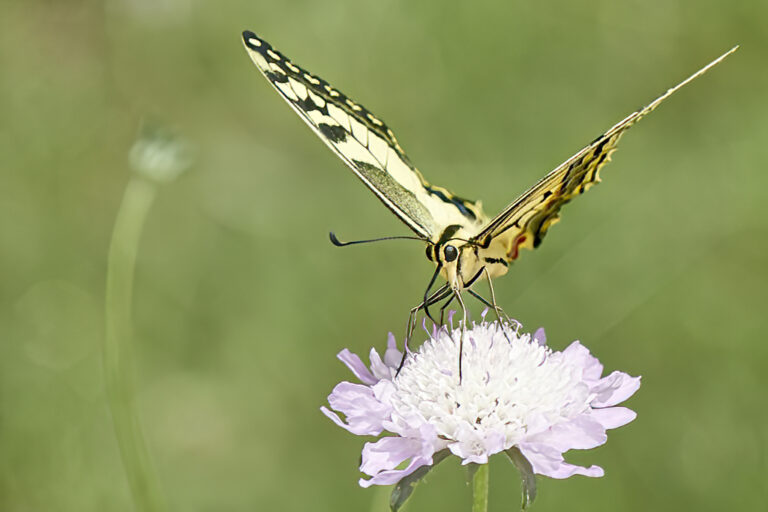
159 154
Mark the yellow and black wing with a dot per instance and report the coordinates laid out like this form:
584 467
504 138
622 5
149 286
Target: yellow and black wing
364 143
525 222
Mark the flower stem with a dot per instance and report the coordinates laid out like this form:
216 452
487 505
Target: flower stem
118 363
480 488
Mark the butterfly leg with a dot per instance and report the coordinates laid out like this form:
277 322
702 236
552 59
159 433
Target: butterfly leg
496 308
457 294
490 305
482 299
443 308
441 293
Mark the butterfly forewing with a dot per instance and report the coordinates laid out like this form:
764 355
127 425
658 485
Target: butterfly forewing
364 143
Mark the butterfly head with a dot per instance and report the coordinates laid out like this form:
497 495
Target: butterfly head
462 260
455 256
459 262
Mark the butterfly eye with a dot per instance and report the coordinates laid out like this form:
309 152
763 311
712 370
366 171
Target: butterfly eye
451 253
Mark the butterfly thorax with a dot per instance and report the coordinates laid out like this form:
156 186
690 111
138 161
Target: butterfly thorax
463 260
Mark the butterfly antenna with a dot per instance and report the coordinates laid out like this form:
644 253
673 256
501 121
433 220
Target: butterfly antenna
338 243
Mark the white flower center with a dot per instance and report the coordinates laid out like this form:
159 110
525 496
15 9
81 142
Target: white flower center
509 385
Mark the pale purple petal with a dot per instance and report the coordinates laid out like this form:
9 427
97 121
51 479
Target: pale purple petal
581 433
424 328
392 476
494 442
334 417
614 389
613 417
540 336
579 355
406 426
388 453
379 368
383 390
417 427
536 423
382 457
549 462
392 356
357 366
475 447
460 450
364 413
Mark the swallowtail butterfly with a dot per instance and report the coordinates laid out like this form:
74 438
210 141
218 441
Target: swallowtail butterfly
464 244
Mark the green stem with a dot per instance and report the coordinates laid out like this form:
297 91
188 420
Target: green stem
480 488
118 363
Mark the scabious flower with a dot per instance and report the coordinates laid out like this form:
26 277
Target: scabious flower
514 393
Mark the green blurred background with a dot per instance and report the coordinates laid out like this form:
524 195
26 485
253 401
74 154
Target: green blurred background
241 303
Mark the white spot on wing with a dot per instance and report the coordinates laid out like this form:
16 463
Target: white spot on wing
340 116
277 69
300 88
320 102
286 89
318 118
258 59
378 147
254 41
402 173
273 55
359 131
355 151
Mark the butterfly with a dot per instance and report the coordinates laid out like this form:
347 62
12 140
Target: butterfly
464 244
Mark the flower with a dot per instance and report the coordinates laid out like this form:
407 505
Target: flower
514 392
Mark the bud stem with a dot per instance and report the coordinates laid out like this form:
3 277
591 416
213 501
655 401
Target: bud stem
118 363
